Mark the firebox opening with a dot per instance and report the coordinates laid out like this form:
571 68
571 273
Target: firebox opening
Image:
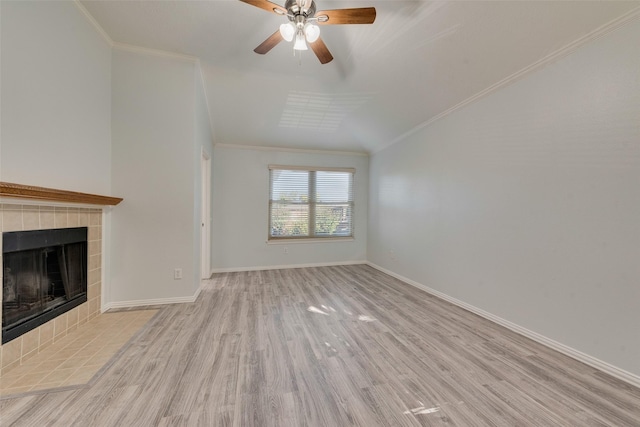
44 276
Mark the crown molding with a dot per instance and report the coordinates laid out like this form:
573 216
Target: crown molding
130 47
146 51
292 150
93 22
550 58
155 52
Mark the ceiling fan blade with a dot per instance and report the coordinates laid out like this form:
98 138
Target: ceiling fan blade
321 51
360 15
267 5
269 43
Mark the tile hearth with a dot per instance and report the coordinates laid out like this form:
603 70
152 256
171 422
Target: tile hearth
27 217
77 357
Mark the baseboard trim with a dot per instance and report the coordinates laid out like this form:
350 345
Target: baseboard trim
153 301
282 267
605 367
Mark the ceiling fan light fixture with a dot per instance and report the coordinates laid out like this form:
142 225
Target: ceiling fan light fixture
312 32
304 19
287 31
300 43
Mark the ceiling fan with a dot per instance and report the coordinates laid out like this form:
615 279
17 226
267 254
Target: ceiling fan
303 24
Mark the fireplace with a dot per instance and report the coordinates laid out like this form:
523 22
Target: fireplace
44 276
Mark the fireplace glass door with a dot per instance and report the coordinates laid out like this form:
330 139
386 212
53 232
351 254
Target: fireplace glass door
40 283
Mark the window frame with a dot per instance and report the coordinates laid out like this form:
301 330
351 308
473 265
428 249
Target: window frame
312 205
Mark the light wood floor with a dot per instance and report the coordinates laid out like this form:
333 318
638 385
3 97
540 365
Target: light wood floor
331 346
76 358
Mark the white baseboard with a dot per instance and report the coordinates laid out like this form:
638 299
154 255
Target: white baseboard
281 267
614 371
153 301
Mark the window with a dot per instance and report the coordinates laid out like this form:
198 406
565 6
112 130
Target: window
310 202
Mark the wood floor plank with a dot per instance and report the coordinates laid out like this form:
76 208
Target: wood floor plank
330 346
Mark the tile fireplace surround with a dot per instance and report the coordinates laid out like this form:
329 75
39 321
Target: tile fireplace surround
19 217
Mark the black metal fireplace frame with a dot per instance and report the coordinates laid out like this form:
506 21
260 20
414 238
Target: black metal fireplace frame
28 240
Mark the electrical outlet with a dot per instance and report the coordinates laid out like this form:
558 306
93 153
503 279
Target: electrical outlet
177 274
285 250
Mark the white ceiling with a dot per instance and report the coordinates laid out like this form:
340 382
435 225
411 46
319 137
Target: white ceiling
416 61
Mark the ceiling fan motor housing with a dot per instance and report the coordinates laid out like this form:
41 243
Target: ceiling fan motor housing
303 8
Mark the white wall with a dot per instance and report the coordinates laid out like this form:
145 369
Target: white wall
241 203
203 140
154 170
526 204
56 98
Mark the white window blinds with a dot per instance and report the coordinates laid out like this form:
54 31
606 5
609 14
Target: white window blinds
310 202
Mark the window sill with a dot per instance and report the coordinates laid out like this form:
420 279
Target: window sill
285 241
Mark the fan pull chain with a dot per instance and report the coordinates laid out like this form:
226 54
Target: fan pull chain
299 57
